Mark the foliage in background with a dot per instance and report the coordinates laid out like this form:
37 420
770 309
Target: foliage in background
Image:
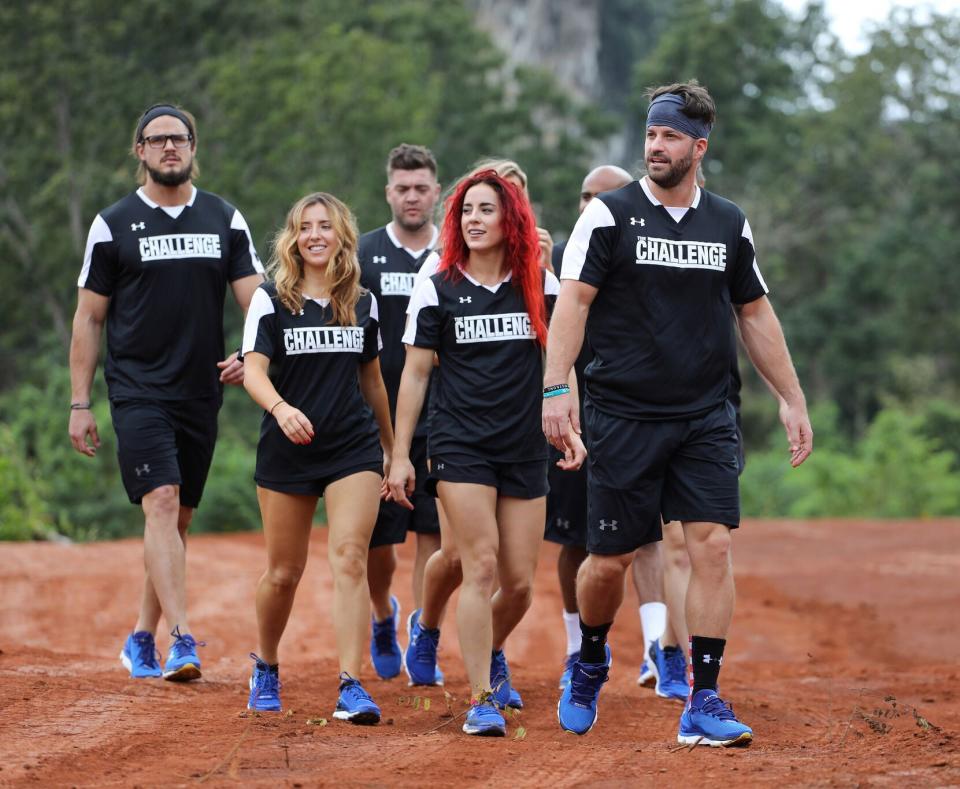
844 164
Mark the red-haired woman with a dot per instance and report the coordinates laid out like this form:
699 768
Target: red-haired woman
484 313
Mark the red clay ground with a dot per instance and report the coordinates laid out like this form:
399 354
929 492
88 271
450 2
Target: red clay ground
843 657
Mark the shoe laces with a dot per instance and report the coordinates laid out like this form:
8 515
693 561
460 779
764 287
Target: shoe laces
425 646
384 636
585 685
570 660
483 704
352 688
184 642
499 672
676 664
266 684
147 654
718 708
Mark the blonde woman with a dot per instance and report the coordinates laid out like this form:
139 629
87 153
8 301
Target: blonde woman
326 432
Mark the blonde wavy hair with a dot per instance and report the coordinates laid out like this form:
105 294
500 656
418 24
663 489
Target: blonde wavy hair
343 270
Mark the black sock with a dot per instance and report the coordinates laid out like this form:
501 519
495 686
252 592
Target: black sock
706 657
593 643
274 668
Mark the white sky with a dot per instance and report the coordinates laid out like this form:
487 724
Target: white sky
848 16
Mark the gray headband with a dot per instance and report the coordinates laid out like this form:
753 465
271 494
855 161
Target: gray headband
156 111
667 110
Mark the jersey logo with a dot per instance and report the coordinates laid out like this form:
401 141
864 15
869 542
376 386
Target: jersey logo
710 659
325 339
563 523
396 283
177 246
681 254
137 226
641 221
492 328
466 299
604 525
382 259
144 469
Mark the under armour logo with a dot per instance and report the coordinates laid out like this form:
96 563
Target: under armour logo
466 299
380 259
641 221
562 523
604 525
594 638
144 469
138 226
440 466
709 659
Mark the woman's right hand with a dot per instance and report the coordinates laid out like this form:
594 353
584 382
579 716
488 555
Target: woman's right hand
293 423
401 482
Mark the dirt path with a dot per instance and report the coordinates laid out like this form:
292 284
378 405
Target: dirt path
843 657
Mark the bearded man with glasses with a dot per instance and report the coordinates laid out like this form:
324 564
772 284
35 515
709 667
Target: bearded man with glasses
155 271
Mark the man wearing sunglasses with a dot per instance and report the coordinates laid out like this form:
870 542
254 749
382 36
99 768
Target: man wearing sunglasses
155 272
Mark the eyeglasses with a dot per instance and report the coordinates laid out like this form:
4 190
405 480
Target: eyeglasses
160 140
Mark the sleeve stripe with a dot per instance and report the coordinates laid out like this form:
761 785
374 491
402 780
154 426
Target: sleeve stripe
99 234
596 215
260 305
427 269
374 308
551 285
747 233
239 223
424 296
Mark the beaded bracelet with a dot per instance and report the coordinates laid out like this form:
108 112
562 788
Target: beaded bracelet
556 391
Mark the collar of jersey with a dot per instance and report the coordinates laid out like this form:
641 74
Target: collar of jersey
491 288
143 196
412 252
652 199
321 302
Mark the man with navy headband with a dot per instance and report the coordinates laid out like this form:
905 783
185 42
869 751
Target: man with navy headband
155 271
652 271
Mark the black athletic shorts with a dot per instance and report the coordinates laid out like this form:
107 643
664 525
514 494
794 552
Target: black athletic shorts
566 504
394 521
165 442
640 472
317 486
525 480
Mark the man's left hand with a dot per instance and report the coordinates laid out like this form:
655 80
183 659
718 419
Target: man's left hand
231 370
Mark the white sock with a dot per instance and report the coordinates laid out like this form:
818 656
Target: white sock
572 623
653 622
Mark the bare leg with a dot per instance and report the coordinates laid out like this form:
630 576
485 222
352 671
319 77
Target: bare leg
352 504
165 555
442 575
676 579
381 565
427 546
472 510
520 524
568 563
287 520
600 587
149 617
647 572
711 594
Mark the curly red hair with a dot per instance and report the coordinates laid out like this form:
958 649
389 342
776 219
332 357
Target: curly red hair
519 236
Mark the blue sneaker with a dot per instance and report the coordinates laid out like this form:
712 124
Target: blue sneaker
577 708
646 675
568 668
384 647
182 661
709 720
420 659
139 655
503 693
264 687
669 666
355 704
484 720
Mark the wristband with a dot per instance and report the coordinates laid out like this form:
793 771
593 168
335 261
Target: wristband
80 406
556 391
240 354
556 387
281 400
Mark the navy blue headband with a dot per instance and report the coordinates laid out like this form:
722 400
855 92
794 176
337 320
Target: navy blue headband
156 111
667 110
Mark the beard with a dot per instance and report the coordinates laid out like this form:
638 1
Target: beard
171 177
676 172
412 227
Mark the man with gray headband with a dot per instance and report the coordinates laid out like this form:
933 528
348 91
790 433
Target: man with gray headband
155 271
652 271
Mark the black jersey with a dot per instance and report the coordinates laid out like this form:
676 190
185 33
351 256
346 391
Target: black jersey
388 270
489 383
660 323
166 277
314 365
583 359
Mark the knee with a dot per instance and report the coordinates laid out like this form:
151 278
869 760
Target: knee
349 561
285 576
711 549
517 591
605 570
162 503
450 560
481 570
676 557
